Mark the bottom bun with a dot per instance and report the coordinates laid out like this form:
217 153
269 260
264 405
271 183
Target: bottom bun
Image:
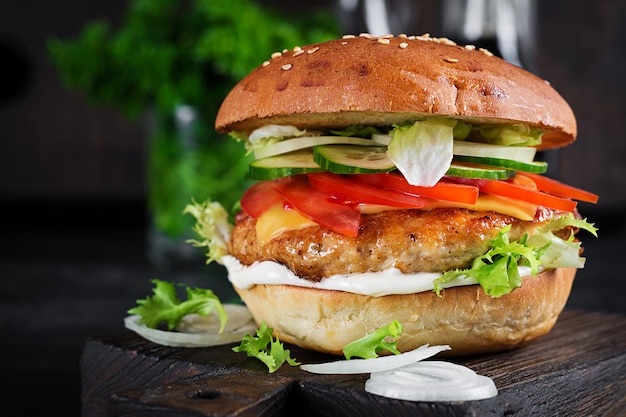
463 317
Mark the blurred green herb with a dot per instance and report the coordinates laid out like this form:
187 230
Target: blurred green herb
168 53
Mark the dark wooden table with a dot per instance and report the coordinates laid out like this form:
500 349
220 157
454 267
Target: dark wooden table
578 369
65 285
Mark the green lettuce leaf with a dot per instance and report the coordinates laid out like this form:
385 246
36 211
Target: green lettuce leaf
371 345
266 348
560 253
497 270
165 306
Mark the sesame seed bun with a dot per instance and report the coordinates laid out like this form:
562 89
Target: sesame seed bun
383 81
464 317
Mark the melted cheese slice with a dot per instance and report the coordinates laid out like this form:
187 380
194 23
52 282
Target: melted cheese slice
486 202
277 220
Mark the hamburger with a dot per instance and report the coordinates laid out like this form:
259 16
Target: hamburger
398 178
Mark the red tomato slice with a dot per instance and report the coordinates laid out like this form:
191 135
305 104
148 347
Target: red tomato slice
320 207
348 189
519 192
261 196
555 187
446 191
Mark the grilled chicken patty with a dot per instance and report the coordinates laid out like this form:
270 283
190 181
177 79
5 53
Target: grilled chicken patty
410 240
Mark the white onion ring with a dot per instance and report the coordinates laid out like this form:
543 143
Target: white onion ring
379 364
431 381
198 331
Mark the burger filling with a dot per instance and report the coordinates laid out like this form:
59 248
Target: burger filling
441 199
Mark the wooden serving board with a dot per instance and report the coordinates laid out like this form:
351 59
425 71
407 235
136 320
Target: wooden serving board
578 369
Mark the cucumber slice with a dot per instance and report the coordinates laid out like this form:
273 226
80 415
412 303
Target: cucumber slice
487 150
292 163
536 167
468 170
347 159
290 145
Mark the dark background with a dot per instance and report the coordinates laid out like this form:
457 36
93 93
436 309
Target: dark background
73 252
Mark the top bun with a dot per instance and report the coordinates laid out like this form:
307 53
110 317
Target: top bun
381 81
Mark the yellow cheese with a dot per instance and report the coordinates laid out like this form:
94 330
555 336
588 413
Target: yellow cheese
486 202
278 220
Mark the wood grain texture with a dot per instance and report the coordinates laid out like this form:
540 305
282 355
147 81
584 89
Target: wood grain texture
578 369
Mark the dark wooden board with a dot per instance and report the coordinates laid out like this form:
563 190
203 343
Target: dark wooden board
578 369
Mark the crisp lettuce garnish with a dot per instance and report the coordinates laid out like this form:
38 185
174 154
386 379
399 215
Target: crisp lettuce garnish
371 345
266 348
497 270
213 228
165 306
422 151
560 253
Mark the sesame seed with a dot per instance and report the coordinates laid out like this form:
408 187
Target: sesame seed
297 48
312 50
450 59
547 82
365 35
403 45
276 54
384 41
286 67
298 52
470 47
486 52
446 41
344 43
266 63
348 37
403 35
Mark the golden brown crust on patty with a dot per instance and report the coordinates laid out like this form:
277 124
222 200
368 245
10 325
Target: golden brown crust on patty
381 82
410 240
464 317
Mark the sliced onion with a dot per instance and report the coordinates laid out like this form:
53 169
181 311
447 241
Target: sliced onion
197 331
431 381
379 364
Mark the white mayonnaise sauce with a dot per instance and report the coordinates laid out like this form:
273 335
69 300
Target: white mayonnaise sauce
376 284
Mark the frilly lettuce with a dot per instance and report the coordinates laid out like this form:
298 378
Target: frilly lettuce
371 345
497 270
266 348
560 253
165 306
213 228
